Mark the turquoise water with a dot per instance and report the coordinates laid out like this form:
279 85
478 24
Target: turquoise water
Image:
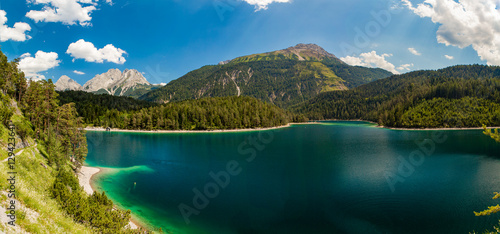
334 177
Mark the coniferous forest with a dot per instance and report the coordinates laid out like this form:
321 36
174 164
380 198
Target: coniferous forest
204 114
459 96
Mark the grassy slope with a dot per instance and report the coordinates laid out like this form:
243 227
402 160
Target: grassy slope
37 212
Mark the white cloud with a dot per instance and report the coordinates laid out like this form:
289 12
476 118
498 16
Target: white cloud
42 61
354 61
16 33
371 59
86 50
414 51
262 4
79 72
405 67
449 57
66 11
465 23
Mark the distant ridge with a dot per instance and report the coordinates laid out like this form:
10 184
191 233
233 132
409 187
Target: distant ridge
130 83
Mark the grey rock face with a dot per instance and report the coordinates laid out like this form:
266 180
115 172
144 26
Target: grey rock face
65 83
114 82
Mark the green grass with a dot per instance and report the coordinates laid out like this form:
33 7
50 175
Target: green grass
37 212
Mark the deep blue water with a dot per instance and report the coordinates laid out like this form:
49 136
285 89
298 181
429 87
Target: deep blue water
334 177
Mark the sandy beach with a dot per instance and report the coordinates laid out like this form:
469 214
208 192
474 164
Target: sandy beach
84 178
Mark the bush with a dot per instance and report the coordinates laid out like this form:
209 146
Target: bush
24 129
96 210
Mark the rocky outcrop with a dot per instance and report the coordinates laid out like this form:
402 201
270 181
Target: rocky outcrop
65 83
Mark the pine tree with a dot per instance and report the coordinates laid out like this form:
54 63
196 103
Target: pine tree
492 209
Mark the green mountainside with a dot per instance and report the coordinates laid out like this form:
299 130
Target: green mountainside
139 90
458 96
284 77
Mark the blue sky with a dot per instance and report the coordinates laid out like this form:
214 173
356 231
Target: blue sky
164 39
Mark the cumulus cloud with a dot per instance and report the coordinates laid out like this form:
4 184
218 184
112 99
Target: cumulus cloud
371 59
16 33
405 67
262 4
86 50
43 61
465 23
414 51
449 57
68 12
79 72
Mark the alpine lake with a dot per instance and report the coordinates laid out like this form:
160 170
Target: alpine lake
328 177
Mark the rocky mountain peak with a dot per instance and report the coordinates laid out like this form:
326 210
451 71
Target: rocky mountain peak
115 82
132 77
224 62
65 83
311 49
300 52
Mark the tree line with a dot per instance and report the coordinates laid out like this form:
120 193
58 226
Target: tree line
92 107
202 114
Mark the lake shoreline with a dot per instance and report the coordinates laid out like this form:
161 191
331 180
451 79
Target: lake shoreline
411 129
101 129
85 179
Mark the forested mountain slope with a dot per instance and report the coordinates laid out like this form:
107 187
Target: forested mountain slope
458 96
43 145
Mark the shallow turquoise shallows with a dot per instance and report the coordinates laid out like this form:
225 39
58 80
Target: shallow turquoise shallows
332 177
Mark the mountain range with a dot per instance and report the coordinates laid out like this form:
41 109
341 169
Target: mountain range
130 83
284 77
